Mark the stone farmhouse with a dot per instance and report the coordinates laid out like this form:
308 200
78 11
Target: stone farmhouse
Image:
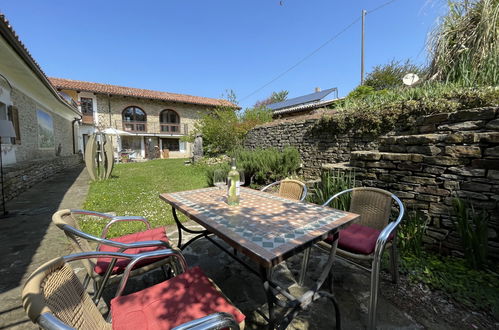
51 118
146 121
45 124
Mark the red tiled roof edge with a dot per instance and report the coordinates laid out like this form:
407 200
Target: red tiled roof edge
78 85
7 31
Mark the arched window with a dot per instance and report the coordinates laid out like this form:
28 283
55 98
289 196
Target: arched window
134 119
169 121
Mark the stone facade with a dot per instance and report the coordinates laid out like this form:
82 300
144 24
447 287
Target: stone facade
442 156
28 148
110 110
25 163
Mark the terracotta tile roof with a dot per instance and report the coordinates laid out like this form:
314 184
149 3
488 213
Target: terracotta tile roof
135 92
7 31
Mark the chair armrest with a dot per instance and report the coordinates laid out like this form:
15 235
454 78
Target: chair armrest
304 193
122 219
120 245
219 320
390 228
93 213
270 185
175 253
51 322
336 196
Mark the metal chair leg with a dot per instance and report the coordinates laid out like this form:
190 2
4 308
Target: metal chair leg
86 280
373 299
394 260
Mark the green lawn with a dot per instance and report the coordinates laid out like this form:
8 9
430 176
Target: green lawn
134 190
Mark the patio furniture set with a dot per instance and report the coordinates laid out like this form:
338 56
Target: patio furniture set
263 231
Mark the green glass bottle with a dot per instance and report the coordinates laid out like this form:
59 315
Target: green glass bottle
233 185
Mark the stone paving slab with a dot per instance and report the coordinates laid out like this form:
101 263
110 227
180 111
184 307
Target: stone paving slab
28 238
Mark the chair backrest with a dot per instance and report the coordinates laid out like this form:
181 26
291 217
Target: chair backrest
374 206
54 288
64 217
292 189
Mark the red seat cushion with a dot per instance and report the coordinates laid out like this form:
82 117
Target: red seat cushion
156 234
186 297
357 239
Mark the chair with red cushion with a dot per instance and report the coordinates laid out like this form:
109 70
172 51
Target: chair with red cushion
54 298
104 270
368 238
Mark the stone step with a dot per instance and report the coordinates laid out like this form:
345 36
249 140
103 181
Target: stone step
421 139
338 166
379 155
433 139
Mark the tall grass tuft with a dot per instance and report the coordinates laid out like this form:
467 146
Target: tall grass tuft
411 232
465 46
332 182
472 228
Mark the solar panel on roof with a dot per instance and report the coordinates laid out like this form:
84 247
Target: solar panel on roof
317 96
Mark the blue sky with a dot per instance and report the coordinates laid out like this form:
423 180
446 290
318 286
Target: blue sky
206 47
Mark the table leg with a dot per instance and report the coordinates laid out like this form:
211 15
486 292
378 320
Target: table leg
181 227
304 265
266 276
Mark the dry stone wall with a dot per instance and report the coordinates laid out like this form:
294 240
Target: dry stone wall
316 147
442 156
21 176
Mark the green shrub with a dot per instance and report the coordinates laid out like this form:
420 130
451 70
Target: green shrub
451 275
411 231
380 112
389 76
332 182
472 228
361 92
261 166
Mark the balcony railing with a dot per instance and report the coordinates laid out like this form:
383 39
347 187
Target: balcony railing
152 128
135 126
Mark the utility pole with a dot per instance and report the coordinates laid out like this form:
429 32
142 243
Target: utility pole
362 49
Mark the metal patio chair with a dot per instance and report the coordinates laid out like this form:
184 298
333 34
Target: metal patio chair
103 271
367 239
288 188
54 298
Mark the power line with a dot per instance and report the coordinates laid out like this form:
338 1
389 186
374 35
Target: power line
346 28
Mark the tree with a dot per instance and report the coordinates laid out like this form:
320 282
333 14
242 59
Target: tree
275 97
390 75
224 128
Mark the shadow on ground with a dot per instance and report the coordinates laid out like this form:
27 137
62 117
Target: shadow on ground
27 238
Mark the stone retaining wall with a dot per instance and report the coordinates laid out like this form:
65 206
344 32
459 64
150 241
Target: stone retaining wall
316 147
442 156
21 176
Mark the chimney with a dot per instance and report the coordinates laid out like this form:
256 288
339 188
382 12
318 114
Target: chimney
317 89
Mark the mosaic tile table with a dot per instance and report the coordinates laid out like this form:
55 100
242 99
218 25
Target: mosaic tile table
266 228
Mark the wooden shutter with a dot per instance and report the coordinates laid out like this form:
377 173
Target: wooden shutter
13 115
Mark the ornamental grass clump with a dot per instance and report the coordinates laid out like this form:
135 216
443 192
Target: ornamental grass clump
465 46
333 182
471 225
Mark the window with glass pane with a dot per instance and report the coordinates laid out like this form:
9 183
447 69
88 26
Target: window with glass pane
134 119
170 121
87 105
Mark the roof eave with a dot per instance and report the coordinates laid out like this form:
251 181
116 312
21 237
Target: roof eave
90 90
8 34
